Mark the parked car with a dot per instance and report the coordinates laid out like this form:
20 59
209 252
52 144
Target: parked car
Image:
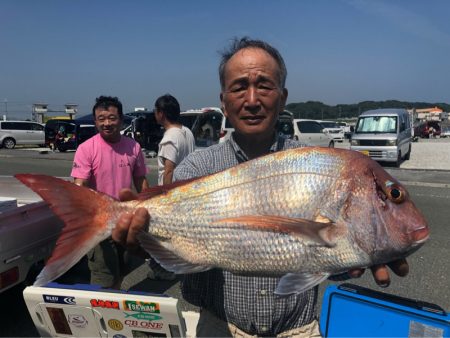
67 134
311 132
21 132
332 128
427 129
384 135
445 131
144 129
347 128
286 124
205 124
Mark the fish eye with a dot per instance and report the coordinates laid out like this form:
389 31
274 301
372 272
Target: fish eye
396 195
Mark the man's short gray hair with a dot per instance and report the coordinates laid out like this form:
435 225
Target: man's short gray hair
245 42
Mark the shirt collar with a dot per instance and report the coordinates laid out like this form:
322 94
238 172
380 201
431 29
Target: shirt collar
277 144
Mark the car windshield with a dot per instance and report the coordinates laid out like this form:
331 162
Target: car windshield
377 124
329 124
187 120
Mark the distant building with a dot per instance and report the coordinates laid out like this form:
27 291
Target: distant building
38 112
428 114
71 110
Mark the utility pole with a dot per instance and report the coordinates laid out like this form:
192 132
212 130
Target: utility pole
6 107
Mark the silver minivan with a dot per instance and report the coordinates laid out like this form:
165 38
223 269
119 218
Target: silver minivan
21 132
384 135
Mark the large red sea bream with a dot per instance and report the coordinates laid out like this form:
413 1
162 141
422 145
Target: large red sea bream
301 214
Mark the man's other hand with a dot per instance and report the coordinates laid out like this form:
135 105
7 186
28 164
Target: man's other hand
381 273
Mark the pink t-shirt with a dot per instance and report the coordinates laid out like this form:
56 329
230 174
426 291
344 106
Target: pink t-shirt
109 167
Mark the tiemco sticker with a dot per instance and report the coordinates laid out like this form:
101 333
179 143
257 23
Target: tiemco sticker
130 305
115 324
143 316
107 304
77 320
59 299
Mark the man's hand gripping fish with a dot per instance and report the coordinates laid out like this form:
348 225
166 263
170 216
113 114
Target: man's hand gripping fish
301 214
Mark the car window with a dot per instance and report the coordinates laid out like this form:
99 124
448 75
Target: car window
16 126
329 125
37 127
187 120
206 129
309 127
285 129
377 124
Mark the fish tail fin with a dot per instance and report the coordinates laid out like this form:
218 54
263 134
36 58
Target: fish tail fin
86 214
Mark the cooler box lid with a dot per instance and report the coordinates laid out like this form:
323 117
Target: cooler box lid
354 311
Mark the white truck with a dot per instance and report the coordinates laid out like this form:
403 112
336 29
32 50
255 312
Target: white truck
28 232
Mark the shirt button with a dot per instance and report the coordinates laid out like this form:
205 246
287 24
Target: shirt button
264 329
263 292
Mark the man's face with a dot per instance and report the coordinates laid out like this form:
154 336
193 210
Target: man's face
252 96
158 116
108 123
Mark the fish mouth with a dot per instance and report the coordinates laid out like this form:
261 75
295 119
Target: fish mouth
419 236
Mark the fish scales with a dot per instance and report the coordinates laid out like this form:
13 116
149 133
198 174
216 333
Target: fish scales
241 196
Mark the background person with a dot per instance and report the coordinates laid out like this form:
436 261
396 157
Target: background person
108 162
252 77
177 142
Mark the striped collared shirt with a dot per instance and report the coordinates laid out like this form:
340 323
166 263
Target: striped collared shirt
247 302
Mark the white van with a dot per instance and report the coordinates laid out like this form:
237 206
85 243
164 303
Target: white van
312 133
21 132
205 124
333 128
384 135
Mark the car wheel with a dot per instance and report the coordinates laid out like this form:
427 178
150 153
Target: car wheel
408 154
331 144
399 159
9 143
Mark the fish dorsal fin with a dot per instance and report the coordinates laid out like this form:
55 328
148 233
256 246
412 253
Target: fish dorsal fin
299 283
316 231
162 189
163 253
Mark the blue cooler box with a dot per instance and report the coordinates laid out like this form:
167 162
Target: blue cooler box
353 311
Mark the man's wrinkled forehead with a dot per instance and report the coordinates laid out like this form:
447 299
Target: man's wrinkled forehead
246 58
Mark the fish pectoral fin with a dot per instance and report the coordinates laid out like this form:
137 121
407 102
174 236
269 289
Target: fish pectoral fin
163 253
298 283
317 231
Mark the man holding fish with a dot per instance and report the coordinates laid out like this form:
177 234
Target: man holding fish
252 77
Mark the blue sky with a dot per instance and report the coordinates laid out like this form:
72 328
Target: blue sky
336 51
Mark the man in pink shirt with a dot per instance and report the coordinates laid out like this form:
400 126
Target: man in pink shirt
108 162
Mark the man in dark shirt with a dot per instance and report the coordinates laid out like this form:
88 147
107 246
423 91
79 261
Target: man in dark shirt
252 77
